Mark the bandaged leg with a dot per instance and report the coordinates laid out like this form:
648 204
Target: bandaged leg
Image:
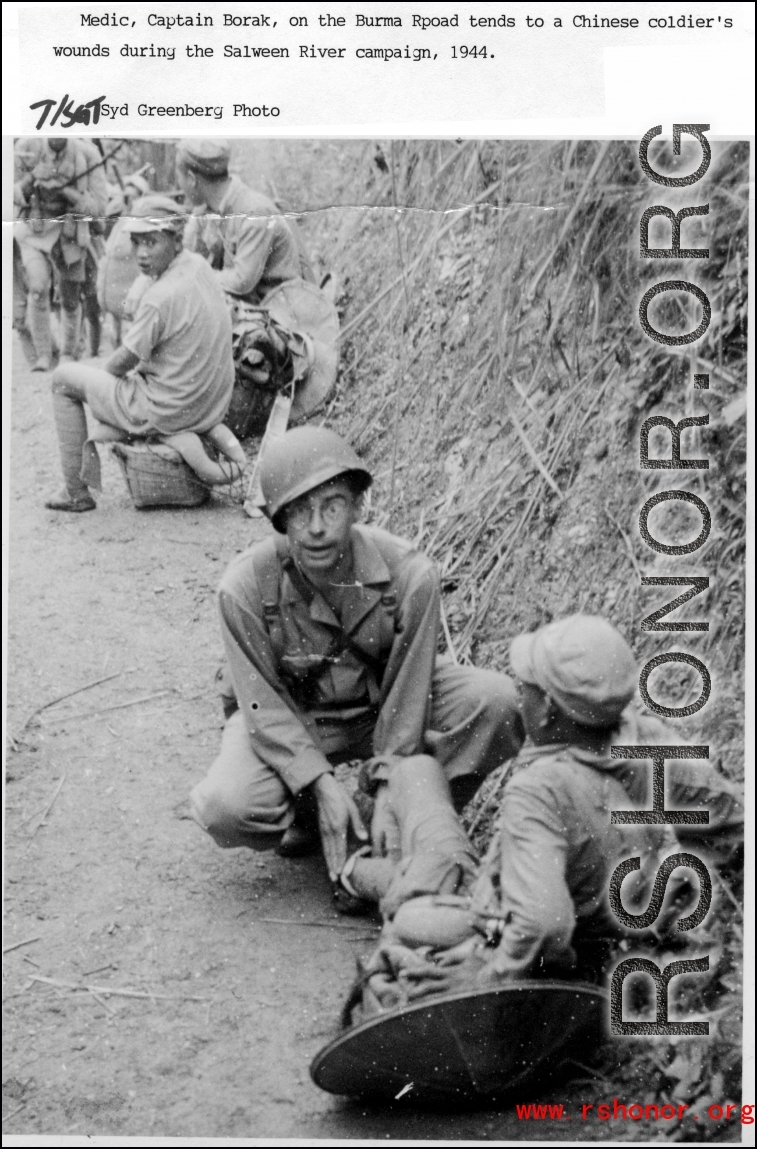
419 844
71 426
94 323
71 326
38 273
39 323
20 307
92 306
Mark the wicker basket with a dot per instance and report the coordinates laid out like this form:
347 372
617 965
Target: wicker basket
157 476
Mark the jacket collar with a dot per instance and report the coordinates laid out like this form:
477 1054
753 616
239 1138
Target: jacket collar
369 566
599 759
371 578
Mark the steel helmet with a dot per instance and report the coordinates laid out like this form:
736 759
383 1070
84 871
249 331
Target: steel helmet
302 460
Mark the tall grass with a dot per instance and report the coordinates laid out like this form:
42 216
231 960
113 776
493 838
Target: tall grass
513 349
495 375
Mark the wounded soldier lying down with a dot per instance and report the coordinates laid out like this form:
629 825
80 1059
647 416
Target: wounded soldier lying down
538 904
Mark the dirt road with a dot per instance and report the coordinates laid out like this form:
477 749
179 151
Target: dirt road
114 887
118 887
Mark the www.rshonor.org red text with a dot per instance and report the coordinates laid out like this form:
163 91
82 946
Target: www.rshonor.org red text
604 1111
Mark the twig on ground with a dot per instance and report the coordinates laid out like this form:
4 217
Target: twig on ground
19 992
49 806
99 969
61 697
101 1001
17 945
32 816
107 709
13 1112
111 991
317 925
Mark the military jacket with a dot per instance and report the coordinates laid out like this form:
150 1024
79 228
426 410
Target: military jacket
298 670
259 247
547 871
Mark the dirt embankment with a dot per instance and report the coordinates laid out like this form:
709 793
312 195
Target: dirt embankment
494 376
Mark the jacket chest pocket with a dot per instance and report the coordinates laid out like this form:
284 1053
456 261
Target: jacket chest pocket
304 653
303 666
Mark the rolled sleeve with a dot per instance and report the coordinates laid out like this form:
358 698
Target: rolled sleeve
281 737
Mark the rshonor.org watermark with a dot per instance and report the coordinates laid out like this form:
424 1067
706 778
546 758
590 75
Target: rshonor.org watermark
697 582
616 1111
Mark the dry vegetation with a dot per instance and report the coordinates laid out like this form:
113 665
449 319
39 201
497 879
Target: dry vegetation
495 374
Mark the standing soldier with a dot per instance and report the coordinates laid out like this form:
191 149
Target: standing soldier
331 632
88 293
240 230
59 183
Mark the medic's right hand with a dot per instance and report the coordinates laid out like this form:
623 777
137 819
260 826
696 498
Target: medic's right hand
337 813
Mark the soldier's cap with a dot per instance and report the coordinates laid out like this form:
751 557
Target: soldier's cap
583 663
208 157
155 213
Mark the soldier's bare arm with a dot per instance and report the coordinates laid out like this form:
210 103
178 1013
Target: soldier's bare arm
122 361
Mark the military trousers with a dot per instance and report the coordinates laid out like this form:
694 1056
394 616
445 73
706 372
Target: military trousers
474 727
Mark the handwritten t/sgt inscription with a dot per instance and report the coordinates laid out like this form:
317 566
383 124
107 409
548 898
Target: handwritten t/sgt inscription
68 113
